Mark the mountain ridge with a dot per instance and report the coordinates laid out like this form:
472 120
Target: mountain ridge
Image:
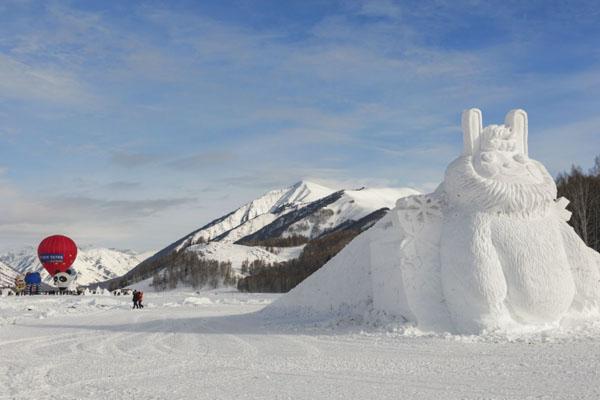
287 217
7 275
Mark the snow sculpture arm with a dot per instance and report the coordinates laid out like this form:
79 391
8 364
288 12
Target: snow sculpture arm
419 219
585 262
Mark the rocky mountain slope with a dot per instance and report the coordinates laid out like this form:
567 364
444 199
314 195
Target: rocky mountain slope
7 275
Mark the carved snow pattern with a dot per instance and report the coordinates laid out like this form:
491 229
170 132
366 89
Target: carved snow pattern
415 211
416 214
561 209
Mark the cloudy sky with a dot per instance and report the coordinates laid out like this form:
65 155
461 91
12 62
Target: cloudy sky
129 124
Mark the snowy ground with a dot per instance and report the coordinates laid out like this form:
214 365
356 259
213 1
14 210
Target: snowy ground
212 346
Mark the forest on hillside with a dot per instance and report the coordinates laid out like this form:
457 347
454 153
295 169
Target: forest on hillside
282 277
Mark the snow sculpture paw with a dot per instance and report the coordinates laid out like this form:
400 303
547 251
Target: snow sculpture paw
561 209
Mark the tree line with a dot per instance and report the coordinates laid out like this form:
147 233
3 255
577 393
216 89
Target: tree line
582 189
189 269
284 276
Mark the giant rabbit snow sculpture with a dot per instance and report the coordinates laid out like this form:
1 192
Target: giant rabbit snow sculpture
489 249
506 250
506 253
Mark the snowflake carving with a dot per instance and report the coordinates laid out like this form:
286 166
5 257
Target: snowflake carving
415 211
420 207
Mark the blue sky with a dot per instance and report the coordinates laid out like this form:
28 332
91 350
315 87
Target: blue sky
129 124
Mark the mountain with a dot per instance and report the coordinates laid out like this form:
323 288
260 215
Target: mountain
92 264
258 213
338 209
7 275
272 229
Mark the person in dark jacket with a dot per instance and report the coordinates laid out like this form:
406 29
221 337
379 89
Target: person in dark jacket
135 299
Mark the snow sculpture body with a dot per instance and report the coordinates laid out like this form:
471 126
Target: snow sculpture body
502 253
489 249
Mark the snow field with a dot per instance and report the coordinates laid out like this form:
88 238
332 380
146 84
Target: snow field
213 345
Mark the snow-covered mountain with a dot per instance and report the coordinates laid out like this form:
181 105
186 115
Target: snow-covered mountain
92 264
256 214
255 231
7 275
338 209
304 209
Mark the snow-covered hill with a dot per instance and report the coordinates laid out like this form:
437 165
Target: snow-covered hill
7 275
305 209
257 214
327 214
295 215
92 264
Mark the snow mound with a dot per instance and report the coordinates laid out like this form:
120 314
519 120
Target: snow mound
489 251
197 301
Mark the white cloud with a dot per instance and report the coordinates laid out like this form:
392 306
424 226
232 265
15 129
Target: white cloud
26 217
21 81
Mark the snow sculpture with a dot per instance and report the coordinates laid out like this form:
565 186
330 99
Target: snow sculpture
489 249
502 249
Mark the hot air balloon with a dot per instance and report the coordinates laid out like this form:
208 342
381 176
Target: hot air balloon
57 253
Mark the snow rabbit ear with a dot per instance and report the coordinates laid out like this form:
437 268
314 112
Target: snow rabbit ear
516 120
472 126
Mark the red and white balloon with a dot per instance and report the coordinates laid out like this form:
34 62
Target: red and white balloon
57 254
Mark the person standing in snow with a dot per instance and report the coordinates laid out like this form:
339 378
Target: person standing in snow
135 299
140 298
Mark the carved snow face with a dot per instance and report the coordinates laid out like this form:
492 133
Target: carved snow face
494 173
499 157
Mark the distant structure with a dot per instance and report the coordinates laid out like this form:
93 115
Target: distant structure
33 280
